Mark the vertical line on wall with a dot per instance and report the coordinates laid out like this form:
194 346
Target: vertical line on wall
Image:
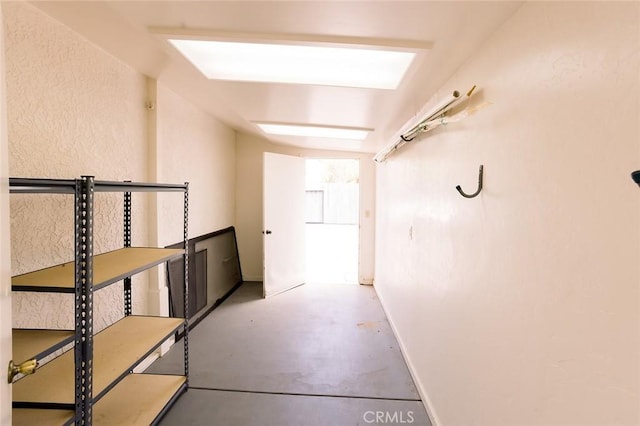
5 247
156 294
152 156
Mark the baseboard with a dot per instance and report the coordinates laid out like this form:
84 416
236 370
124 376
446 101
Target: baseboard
247 278
426 401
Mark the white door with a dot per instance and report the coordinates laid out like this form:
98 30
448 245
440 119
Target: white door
5 259
283 222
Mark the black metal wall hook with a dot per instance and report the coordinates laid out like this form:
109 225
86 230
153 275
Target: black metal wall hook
480 172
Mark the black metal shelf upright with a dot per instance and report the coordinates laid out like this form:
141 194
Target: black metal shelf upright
83 190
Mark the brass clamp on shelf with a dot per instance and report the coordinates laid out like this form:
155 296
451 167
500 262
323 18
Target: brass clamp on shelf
25 368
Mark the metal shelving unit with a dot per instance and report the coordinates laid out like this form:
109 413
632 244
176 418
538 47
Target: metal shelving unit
98 372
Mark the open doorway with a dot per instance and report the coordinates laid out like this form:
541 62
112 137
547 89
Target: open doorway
332 227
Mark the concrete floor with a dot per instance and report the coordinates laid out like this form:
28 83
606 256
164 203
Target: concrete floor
315 355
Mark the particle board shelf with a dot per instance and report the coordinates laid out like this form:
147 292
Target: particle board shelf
39 417
29 344
116 350
108 268
137 400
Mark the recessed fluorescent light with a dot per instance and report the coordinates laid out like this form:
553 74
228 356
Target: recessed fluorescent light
314 131
298 64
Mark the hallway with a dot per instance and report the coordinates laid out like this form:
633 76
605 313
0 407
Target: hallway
315 355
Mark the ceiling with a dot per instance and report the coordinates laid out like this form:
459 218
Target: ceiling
447 31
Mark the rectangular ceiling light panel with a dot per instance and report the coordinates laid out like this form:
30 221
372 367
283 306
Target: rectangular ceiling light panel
314 131
297 64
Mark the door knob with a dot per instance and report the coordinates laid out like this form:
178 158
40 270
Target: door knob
268 231
27 367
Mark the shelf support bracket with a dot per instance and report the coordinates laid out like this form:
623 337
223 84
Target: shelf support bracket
127 243
83 348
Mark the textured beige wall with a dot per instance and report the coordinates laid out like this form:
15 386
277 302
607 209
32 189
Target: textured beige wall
521 306
249 202
72 110
188 145
194 147
5 248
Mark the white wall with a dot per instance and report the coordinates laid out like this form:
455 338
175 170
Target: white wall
5 256
249 174
521 306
